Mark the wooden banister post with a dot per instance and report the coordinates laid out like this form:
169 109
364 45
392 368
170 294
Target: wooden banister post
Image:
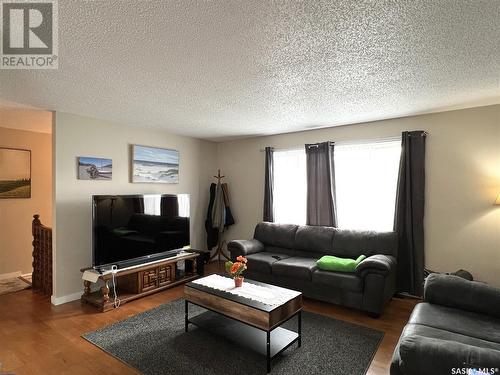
42 256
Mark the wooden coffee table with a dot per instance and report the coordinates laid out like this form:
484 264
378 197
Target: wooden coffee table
257 324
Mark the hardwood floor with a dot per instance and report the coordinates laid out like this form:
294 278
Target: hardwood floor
39 338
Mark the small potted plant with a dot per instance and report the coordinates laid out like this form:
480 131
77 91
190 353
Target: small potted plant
236 269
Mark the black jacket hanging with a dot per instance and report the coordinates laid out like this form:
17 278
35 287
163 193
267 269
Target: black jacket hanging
212 233
229 219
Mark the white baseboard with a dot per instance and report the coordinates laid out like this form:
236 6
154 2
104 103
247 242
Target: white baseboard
10 275
65 299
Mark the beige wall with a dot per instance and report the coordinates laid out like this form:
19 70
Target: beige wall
463 179
26 119
81 136
16 214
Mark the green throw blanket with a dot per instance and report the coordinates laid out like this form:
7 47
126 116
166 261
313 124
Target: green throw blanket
331 263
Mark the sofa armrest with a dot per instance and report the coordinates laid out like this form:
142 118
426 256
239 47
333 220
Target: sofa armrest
425 355
379 264
456 292
244 247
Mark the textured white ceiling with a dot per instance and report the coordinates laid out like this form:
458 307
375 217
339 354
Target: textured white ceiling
223 69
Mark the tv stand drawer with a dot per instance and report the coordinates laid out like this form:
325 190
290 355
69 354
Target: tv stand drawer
166 274
148 279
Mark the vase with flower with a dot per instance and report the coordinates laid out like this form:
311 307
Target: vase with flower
235 269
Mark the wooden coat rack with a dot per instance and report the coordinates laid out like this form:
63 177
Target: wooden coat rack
219 252
219 177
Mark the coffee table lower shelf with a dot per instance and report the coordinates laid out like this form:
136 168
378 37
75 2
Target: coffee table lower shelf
267 343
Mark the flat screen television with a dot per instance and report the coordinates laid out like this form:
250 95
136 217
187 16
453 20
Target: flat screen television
134 229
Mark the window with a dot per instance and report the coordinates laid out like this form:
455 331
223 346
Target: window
290 184
366 176
183 200
152 204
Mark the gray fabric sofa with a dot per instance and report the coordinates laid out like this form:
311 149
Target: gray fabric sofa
286 255
456 328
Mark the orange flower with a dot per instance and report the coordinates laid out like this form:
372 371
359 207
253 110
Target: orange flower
236 266
241 259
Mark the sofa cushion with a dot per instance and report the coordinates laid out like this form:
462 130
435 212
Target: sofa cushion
296 267
261 262
462 322
454 291
279 250
314 239
436 333
424 355
353 243
278 235
340 280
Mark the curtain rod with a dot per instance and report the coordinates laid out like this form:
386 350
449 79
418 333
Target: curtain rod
347 141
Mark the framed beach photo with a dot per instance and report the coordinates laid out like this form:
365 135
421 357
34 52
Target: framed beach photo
155 165
15 173
90 168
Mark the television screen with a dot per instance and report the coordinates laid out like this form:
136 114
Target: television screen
127 227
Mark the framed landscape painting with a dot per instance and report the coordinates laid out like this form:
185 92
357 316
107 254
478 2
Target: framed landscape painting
15 173
156 165
94 168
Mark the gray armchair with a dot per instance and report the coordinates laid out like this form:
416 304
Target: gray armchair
456 327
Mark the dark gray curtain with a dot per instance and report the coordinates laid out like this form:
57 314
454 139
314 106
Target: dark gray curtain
169 206
409 215
268 186
321 208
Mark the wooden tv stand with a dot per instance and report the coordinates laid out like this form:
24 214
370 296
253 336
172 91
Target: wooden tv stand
139 281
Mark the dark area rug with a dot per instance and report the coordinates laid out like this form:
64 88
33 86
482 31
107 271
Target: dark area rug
154 342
